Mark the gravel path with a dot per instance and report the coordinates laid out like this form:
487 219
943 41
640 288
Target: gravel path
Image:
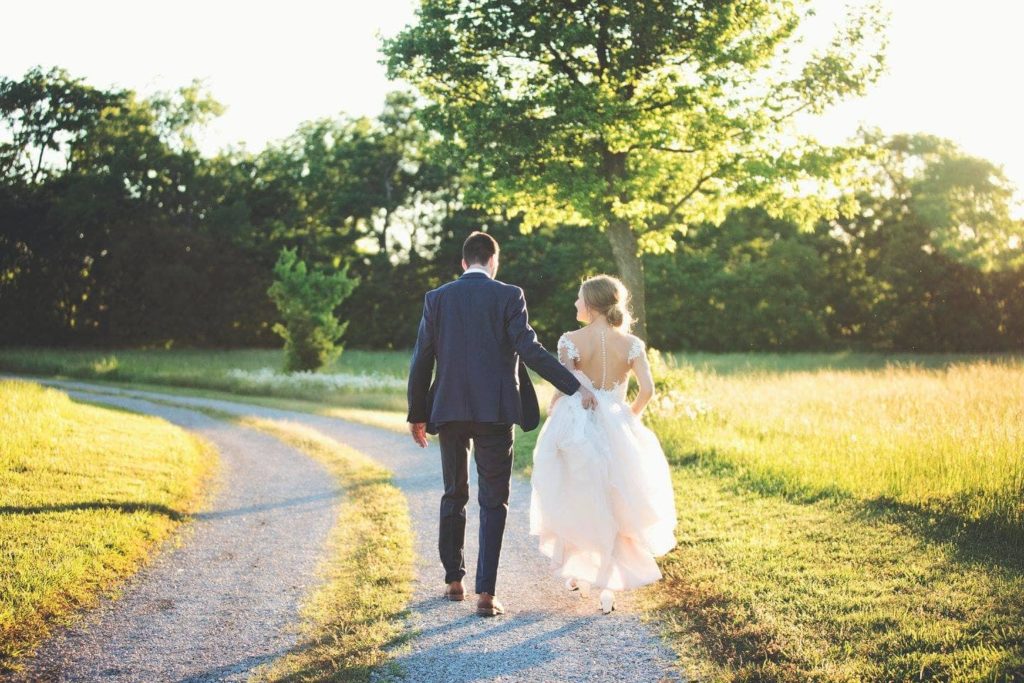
547 634
222 603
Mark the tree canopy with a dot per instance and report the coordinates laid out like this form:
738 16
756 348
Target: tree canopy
638 118
125 234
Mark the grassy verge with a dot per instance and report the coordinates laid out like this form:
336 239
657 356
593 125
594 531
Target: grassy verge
234 372
86 494
765 363
358 610
763 588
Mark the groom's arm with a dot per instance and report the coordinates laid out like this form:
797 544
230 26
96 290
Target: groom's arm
533 353
421 369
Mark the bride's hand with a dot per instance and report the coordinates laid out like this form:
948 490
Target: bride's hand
587 398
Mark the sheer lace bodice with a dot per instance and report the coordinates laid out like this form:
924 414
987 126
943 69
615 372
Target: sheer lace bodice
569 354
616 392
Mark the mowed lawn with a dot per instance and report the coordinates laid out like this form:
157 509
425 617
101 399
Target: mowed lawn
86 493
248 372
843 517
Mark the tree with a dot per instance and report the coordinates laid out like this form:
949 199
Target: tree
637 117
928 263
754 283
965 201
306 300
114 229
45 114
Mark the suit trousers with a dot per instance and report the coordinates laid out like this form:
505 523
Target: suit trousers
492 449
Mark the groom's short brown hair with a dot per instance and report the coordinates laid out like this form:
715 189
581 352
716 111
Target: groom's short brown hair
478 248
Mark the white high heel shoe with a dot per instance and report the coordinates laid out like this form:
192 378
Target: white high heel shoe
607 601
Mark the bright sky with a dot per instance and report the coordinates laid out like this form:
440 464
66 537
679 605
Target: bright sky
953 65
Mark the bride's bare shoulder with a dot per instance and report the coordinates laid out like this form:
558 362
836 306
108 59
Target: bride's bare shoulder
568 341
574 335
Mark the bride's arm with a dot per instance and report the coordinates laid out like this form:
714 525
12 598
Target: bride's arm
642 370
565 359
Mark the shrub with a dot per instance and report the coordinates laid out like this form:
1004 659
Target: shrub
306 300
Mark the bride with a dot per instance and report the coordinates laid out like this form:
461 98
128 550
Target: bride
602 503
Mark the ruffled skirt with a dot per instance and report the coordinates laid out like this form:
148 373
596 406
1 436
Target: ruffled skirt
602 503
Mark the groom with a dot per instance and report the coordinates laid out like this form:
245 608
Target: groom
477 331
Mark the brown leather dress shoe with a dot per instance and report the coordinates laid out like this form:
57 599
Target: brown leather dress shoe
488 606
455 592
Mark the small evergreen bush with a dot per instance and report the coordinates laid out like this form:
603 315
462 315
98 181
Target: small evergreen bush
306 300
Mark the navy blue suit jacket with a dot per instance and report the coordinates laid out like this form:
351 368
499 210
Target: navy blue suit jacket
478 332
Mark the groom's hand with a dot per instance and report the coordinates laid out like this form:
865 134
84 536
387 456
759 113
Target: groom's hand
587 398
419 433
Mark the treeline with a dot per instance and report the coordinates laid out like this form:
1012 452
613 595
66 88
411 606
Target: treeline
115 231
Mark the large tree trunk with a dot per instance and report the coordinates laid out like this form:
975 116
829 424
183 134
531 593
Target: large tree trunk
623 241
631 270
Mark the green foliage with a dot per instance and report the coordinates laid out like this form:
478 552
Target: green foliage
660 114
336 185
638 118
115 231
104 214
934 261
47 113
306 300
964 201
753 283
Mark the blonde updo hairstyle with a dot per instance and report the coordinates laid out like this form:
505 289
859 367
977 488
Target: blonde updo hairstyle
607 295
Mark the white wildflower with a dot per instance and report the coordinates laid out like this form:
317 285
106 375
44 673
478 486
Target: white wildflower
676 402
267 377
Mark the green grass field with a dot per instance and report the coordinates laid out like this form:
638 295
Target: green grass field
86 493
762 588
779 363
947 440
842 516
846 524
230 371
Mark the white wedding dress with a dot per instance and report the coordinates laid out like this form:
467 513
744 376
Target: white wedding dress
602 503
